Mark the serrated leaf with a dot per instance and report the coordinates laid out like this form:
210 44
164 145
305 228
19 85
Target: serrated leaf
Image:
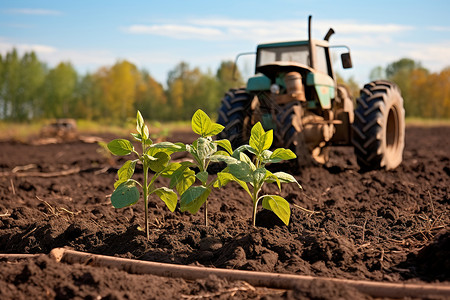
286 178
193 199
225 144
279 206
169 197
214 129
200 123
125 194
202 176
127 170
120 147
159 163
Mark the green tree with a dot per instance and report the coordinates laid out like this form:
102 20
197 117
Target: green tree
151 99
58 91
228 76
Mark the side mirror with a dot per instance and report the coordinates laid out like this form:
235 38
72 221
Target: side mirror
346 60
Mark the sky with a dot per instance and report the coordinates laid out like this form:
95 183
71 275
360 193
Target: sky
157 35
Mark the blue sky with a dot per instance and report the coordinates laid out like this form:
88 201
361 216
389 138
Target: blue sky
157 35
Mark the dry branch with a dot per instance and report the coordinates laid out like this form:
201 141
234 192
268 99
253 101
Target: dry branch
273 280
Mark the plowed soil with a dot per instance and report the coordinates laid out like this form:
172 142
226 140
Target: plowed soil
390 226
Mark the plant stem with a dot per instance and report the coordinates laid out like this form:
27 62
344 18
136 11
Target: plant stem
255 205
206 213
145 189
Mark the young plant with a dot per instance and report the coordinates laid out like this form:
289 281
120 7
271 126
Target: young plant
203 150
154 157
244 171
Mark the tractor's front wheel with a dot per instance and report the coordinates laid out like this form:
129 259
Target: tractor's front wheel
233 115
379 126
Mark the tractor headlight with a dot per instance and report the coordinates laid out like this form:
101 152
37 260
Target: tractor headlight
275 88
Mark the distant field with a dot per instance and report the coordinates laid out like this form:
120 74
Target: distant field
24 131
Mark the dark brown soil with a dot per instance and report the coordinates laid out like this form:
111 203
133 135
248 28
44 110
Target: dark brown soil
382 226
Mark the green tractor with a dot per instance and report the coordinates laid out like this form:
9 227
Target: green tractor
294 92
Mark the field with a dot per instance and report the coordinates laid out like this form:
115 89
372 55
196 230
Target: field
380 226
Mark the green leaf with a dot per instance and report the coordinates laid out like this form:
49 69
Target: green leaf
259 139
193 198
139 122
214 129
237 152
281 154
244 157
137 136
145 133
200 123
223 158
125 194
279 206
182 178
168 196
225 144
270 178
258 176
120 147
205 147
202 176
221 153
286 178
223 178
170 147
127 170
160 163
241 171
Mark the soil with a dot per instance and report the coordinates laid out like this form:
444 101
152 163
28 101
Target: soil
390 226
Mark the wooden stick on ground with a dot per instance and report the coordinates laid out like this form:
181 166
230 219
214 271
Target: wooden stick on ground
272 280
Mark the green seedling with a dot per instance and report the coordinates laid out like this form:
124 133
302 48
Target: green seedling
251 175
203 150
154 157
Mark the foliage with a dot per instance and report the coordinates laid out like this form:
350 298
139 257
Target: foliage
154 157
252 175
425 94
31 91
203 151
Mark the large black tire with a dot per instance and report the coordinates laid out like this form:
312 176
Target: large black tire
233 114
379 126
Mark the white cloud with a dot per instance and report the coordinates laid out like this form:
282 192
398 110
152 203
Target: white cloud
175 31
6 46
33 11
261 30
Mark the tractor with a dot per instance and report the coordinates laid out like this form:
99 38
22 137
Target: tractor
294 92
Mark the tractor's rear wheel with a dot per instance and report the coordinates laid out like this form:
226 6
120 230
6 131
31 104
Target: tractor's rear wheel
379 126
233 115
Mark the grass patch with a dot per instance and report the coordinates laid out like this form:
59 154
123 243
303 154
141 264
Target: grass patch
427 122
24 132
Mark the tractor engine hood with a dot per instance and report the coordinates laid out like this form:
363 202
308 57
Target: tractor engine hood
273 69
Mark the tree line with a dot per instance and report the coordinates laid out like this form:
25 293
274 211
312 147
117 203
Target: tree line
29 90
